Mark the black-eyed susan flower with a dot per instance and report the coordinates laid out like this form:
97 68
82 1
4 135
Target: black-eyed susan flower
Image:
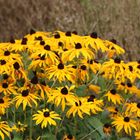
62 95
113 48
26 97
107 128
68 137
4 104
80 107
114 68
46 117
94 104
5 66
4 130
113 96
78 52
19 127
92 41
60 72
124 123
7 88
133 108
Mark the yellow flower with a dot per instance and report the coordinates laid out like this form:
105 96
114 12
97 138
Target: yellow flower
94 42
80 107
4 103
78 52
62 95
133 108
46 117
7 88
137 135
60 72
114 69
68 137
25 97
124 123
19 127
94 104
107 129
5 66
113 96
4 130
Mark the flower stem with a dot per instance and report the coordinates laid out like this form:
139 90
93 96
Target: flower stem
31 125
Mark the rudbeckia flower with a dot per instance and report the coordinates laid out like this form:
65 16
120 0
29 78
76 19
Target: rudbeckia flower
4 103
80 107
62 95
5 66
107 129
94 88
113 96
60 72
19 127
94 104
78 52
113 48
4 130
26 97
7 88
68 137
113 69
133 108
124 123
46 117
94 42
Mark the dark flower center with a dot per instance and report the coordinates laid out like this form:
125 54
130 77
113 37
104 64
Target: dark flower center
34 80
2 62
47 47
107 125
4 85
39 38
75 32
64 91
138 61
93 35
32 31
116 109
138 105
24 41
69 136
12 41
129 84
126 119
65 49
83 67
78 46
6 53
131 68
91 98
68 33
60 43
123 84
117 60
60 66
138 66
42 57
56 36
46 114
5 76
74 67
78 104
113 41
25 93
1 101
42 42
16 65
90 61
113 91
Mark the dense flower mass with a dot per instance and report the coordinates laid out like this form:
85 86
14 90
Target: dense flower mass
73 86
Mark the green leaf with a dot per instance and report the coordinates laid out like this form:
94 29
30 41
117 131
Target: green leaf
80 91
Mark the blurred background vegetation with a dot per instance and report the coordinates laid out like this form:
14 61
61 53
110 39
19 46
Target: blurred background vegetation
119 19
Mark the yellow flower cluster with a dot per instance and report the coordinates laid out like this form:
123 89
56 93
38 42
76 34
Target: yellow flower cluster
53 73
